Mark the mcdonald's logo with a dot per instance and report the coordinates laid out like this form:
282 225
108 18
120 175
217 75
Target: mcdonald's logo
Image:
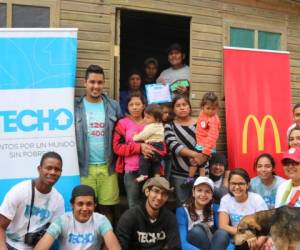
260 132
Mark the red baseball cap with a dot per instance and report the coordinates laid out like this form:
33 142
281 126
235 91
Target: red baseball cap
293 154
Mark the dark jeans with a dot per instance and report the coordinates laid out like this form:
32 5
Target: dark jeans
151 166
133 189
10 247
181 193
198 237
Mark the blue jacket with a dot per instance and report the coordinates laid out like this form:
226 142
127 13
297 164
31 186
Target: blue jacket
112 113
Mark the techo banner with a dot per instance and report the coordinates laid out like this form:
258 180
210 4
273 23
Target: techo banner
37 79
258 105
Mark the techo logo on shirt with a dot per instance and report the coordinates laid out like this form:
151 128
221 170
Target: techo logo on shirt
29 120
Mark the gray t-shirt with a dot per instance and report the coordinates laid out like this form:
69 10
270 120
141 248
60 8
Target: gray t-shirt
171 75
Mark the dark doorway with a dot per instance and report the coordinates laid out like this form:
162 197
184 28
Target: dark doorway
148 34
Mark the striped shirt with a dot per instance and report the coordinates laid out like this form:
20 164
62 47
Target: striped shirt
178 137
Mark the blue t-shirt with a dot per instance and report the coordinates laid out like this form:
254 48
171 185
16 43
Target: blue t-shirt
267 193
95 118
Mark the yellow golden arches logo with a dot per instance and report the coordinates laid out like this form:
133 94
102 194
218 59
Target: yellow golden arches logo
260 132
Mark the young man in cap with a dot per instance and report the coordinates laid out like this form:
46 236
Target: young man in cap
81 228
95 115
178 70
150 225
288 193
35 201
150 68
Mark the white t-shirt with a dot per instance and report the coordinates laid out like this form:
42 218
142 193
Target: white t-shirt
171 75
268 193
192 223
237 210
79 236
280 192
16 207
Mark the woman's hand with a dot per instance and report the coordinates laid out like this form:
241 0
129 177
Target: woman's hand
200 158
147 150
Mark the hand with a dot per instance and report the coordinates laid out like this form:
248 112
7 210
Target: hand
147 150
252 243
200 158
181 89
162 81
268 244
193 162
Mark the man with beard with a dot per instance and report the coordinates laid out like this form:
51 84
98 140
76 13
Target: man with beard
150 225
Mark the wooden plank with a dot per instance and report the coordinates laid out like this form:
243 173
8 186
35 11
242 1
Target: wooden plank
92 45
203 70
210 29
207 54
164 7
85 17
85 7
201 36
90 54
94 36
87 26
209 45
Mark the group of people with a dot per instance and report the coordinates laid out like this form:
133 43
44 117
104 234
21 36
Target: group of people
139 146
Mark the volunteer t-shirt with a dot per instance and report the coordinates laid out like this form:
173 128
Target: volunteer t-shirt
95 118
16 207
79 236
237 210
268 193
280 193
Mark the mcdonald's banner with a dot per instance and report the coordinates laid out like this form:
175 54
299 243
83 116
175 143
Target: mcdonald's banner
37 80
258 105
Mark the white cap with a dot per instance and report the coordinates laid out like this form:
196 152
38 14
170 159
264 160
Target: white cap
204 180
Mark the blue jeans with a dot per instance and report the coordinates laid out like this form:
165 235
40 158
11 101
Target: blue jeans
133 189
182 194
198 237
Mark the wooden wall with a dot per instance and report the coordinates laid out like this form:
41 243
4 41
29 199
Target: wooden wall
210 19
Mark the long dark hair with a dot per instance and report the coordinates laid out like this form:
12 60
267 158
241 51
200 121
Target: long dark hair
207 210
269 157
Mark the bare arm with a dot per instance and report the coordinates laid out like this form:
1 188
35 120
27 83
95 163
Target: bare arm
45 242
111 241
4 222
224 223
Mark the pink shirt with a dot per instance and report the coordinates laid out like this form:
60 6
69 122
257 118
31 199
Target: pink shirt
132 128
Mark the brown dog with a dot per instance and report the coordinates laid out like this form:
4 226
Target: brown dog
282 224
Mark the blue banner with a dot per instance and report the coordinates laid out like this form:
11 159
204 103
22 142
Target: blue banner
37 81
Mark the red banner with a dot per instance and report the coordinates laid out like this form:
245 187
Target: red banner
258 105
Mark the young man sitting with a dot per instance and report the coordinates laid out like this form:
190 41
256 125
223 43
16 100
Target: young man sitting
150 225
81 228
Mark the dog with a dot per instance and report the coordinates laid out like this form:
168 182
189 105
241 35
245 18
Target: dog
282 224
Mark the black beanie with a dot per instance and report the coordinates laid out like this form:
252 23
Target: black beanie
82 190
218 159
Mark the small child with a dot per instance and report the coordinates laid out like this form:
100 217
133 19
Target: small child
167 113
296 119
153 133
167 116
207 134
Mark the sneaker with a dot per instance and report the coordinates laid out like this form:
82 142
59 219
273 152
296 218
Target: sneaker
189 182
141 178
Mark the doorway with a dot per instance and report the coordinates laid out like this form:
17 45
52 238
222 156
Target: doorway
147 34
